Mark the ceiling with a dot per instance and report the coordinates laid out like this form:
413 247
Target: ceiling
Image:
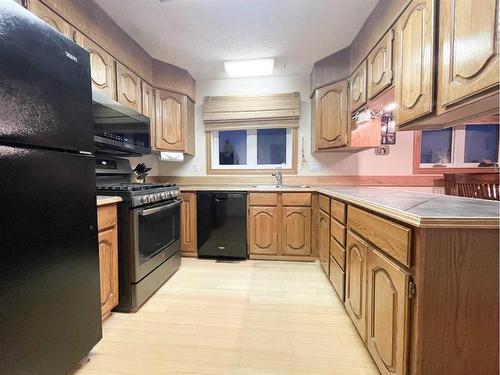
199 35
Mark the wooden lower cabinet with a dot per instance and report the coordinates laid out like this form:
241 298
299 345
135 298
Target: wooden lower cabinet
296 229
189 240
263 230
324 240
337 278
355 284
279 225
387 313
108 257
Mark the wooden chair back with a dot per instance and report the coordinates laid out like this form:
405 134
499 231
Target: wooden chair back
473 185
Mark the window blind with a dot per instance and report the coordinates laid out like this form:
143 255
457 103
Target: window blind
250 112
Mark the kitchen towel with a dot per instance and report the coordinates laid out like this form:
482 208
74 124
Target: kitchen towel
171 156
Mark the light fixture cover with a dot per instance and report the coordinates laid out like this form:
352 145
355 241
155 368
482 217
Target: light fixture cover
249 68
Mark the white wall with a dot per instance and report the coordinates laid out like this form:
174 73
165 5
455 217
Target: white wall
398 162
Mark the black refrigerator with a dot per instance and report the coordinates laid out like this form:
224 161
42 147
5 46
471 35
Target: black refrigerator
49 266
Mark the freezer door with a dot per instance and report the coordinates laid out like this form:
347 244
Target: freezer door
49 267
45 95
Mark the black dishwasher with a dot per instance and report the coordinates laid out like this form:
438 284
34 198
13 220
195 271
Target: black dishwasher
222 224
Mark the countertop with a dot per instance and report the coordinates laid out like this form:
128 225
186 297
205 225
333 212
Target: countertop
104 199
418 209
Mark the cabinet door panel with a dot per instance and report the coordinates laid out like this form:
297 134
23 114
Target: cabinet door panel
296 231
357 92
330 116
51 18
324 240
469 44
108 269
148 101
128 85
387 314
380 66
263 230
171 111
188 224
414 41
355 288
102 67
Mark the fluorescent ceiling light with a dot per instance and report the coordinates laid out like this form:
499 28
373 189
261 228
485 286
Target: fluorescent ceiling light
249 68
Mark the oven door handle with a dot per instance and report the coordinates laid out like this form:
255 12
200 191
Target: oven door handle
154 210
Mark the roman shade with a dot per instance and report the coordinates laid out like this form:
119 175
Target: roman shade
250 112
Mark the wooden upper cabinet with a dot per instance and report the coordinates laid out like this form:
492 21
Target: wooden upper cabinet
296 229
380 66
324 240
387 314
414 61
148 108
330 118
171 121
102 67
355 288
188 224
128 87
51 18
357 88
263 228
468 39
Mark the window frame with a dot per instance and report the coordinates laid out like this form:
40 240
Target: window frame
212 149
457 153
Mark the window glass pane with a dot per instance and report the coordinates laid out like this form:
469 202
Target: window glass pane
481 143
271 146
233 147
436 146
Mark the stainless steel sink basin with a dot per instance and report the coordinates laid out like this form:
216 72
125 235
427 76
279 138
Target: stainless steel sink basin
281 187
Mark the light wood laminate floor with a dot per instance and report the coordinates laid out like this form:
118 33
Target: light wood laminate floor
252 317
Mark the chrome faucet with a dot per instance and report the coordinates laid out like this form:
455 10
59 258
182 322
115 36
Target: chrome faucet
278 174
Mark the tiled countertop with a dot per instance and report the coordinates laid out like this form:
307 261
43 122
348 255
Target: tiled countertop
419 209
102 200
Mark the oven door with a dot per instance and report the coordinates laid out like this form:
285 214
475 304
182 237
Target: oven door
155 236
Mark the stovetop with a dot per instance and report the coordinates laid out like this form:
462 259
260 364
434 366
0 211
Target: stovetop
130 186
137 195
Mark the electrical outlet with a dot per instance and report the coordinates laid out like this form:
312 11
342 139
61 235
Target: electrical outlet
382 150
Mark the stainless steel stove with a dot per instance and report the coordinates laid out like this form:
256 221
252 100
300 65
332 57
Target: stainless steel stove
148 230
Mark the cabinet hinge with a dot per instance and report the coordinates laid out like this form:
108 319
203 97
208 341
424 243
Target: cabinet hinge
391 34
411 290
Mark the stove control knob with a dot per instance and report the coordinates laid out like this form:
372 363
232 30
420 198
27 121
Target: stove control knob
145 199
163 195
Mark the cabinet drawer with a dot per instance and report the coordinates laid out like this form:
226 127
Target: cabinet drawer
263 199
337 278
337 230
392 238
337 252
296 199
324 203
106 216
338 210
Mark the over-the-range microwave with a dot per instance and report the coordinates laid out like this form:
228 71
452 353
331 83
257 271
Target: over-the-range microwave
119 130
